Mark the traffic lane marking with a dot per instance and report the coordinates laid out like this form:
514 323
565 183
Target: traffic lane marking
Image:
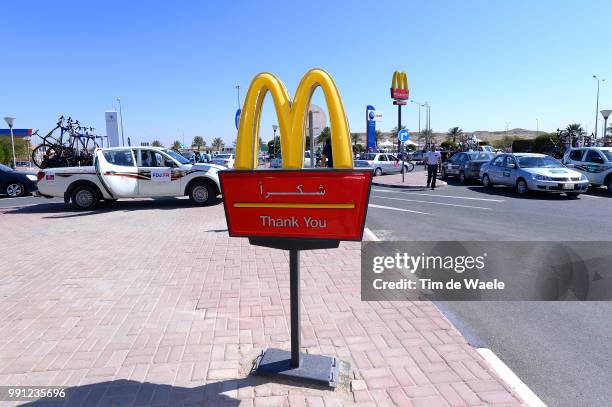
437 195
433 203
371 235
396 209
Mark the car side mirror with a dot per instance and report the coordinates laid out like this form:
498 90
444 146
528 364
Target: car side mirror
569 165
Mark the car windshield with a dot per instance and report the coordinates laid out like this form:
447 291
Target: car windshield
369 157
5 168
608 154
481 156
539 162
178 157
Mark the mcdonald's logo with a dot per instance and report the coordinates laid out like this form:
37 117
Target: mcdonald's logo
292 118
399 86
294 202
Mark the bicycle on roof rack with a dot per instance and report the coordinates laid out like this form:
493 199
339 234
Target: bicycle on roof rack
68 144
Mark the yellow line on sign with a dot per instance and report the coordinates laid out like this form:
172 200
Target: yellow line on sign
294 205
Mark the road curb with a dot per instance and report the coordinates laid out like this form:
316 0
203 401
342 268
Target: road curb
510 378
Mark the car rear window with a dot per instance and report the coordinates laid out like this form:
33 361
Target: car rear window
119 157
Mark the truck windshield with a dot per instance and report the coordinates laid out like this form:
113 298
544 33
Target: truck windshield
178 157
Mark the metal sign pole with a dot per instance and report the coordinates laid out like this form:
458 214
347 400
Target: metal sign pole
294 298
399 145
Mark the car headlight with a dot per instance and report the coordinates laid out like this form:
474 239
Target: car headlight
31 177
583 177
542 177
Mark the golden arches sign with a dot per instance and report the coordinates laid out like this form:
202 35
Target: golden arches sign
400 80
291 120
399 86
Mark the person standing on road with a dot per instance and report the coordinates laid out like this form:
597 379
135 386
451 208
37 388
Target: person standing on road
432 160
326 155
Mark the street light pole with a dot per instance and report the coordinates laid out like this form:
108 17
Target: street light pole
274 127
597 103
11 122
121 118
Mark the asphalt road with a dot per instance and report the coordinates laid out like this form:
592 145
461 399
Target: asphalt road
562 351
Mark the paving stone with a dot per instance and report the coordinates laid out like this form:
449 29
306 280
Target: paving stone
173 312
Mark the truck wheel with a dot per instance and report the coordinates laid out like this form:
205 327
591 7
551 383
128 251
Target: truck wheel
200 193
85 197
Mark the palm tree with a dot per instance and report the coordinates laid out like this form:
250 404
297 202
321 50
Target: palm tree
176 145
324 136
198 142
156 143
354 137
218 143
575 128
426 136
379 136
454 133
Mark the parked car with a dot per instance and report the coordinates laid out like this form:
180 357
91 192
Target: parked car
131 172
16 183
382 163
226 160
465 166
417 156
532 172
276 162
594 162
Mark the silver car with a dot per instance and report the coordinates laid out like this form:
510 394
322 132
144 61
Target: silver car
532 172
382 163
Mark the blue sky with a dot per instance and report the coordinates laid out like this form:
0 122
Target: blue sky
175 64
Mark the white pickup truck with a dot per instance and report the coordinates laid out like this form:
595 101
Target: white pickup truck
133 172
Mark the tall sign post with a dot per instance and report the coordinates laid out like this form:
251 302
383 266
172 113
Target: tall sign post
294 208
400 95
371 128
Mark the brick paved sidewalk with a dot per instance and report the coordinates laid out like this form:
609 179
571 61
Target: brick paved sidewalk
412 180
153 304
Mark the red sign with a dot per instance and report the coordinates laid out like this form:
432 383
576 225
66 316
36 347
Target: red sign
399 94
314 204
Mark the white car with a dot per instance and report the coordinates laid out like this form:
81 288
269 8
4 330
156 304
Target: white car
381 163
594 162
131 172
226 160
532 172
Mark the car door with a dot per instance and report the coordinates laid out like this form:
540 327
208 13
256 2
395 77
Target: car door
394 164
509 172
158 174
594 166
382 162
118 171
496 168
